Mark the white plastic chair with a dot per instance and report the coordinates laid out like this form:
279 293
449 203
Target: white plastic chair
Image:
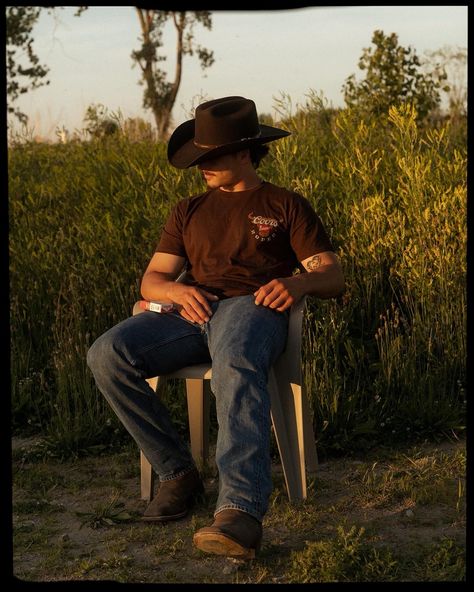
290 412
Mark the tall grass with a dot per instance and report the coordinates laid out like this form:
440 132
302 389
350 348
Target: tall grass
388 360
391 360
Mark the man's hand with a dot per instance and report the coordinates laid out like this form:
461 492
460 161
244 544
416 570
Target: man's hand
279 294
323 278
193 303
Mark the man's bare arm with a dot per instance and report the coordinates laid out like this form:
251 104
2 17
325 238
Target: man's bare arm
324 279
159 283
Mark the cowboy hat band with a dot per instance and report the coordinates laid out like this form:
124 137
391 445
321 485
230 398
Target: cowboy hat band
220 127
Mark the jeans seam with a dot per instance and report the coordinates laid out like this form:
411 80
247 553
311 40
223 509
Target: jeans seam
264 388
135 361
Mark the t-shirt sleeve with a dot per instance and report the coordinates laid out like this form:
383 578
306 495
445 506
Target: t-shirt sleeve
171 239
307 233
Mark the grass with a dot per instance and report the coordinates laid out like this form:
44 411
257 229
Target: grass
366 519
393 197
419 478
345 558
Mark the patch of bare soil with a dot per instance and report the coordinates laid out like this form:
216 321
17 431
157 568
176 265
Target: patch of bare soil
80 520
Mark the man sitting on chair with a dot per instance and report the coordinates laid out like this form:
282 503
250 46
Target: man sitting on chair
241 241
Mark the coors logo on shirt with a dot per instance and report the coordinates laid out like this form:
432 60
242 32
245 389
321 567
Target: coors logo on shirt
265 227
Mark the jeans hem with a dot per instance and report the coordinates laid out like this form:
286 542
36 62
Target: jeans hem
255 515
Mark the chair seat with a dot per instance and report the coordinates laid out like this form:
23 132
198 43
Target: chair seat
202 371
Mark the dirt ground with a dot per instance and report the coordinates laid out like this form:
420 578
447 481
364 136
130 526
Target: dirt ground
80 520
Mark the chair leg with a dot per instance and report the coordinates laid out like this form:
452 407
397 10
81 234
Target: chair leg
286 411
311 455
299 436
198 396
147 478
147 475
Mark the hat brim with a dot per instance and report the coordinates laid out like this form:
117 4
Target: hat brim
183 152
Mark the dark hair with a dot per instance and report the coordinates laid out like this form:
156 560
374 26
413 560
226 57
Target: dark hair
258 152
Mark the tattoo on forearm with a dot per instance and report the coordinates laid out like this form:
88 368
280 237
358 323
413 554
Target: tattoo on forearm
314 263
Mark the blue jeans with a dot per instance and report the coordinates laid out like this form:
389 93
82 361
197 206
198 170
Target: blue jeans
243 341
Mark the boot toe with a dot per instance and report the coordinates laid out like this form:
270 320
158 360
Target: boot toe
233 533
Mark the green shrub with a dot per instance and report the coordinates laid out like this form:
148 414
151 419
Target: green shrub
387 361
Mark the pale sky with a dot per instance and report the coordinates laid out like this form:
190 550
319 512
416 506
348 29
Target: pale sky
262 55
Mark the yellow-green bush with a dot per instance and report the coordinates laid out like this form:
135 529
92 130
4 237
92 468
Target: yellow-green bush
387 359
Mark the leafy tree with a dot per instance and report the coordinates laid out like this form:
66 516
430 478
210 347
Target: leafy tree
454 61
99 124
21 78
160 95
137 129
393 76
20 21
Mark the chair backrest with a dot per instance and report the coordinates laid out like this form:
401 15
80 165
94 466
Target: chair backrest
289 363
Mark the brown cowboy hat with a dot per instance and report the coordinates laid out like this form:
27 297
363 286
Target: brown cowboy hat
220 127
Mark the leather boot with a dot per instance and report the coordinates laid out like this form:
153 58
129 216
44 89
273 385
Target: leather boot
234 533
174 498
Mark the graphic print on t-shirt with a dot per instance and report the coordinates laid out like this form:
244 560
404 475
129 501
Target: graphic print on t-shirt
266 227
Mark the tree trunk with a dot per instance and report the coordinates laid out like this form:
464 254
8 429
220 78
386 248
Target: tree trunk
166 110
161 106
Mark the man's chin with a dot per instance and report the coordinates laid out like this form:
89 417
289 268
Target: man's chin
211 183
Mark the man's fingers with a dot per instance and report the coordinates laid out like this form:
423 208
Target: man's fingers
185 315
277 301
274 295
263 292
191 315
210 296
201 300
197 305
286 305
197 312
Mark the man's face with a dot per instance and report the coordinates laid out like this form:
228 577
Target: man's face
223 171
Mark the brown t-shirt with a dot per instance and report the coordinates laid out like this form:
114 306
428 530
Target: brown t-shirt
234 242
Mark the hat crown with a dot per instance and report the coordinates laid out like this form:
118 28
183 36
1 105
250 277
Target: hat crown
224 121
